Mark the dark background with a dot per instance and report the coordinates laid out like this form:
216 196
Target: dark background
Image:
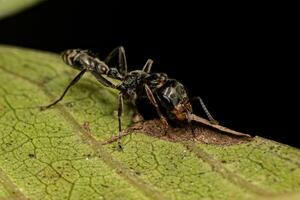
240 58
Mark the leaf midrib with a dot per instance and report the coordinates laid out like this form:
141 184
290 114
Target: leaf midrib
12 190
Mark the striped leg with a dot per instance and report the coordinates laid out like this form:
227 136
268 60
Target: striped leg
211 119
120 111
73 82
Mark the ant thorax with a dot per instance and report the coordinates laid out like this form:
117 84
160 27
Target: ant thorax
134 79
132 84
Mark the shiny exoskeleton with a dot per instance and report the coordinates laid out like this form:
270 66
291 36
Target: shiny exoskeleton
165 94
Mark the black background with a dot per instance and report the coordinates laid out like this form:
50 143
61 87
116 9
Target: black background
240 58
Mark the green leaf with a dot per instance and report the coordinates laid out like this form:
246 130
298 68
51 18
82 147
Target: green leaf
61 153
9 7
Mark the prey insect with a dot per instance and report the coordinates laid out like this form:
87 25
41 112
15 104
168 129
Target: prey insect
168 96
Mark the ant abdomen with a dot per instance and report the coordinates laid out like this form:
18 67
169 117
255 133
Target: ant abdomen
75 58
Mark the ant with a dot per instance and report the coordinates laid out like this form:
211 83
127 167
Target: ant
162 92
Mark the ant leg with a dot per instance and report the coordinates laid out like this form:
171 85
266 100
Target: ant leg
73 82
122 63
103 80
120 111
148 65
191 126
211 119
154 103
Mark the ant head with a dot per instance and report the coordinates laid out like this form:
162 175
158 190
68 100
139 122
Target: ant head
128 93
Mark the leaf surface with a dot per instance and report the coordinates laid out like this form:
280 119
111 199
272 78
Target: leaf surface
60 153
9 7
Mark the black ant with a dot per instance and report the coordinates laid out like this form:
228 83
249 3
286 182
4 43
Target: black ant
138 85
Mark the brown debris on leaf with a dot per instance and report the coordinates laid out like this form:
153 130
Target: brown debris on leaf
198 132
